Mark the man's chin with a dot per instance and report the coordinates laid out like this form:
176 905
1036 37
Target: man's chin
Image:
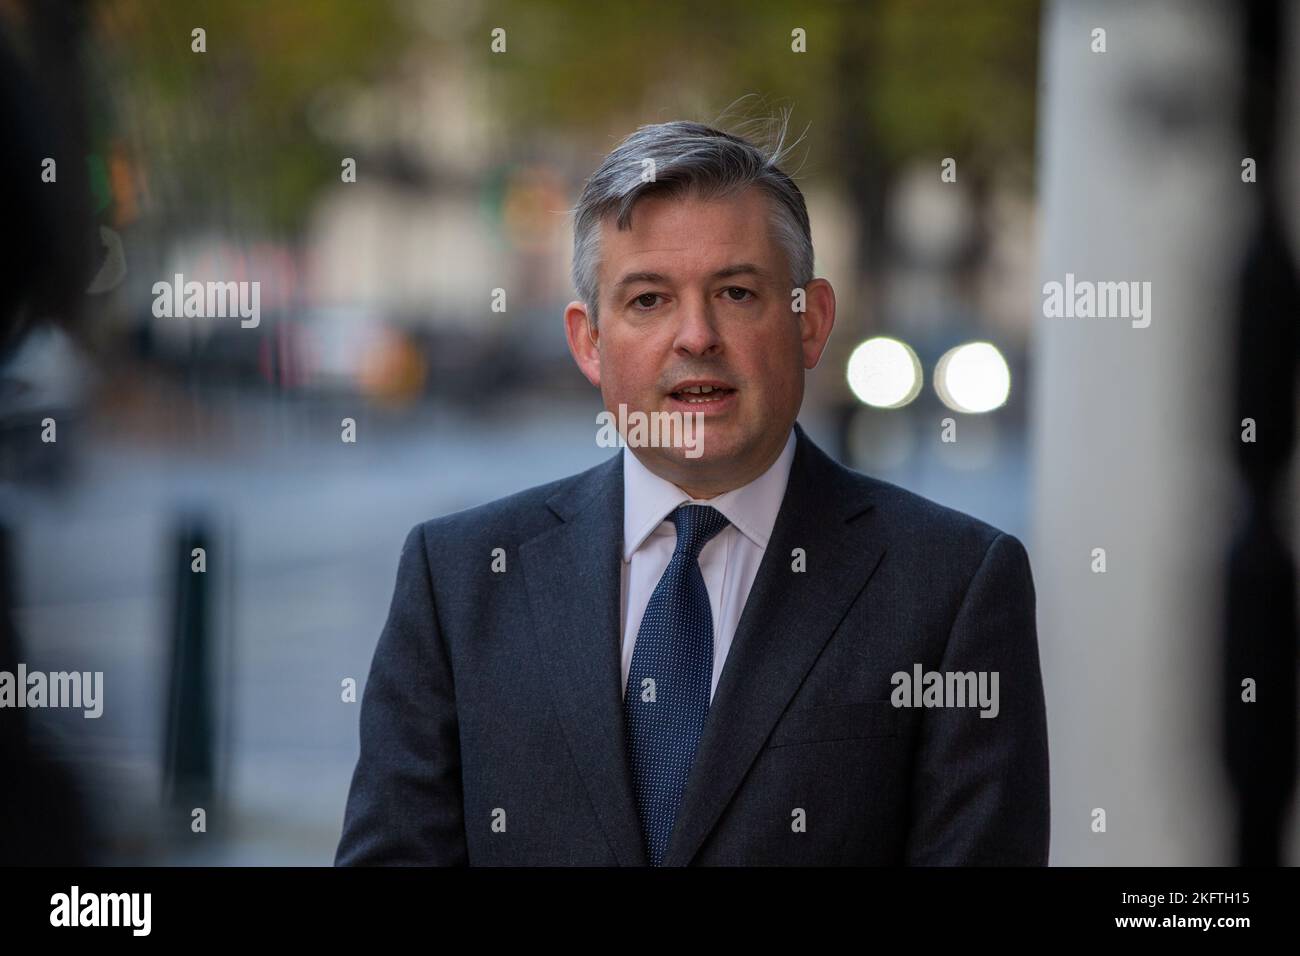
702 459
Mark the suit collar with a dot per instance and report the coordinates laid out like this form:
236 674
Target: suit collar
752 508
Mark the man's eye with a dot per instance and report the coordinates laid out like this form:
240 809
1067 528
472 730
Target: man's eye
640 300
744 294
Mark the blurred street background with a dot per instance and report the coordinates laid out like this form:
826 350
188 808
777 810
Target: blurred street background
230 164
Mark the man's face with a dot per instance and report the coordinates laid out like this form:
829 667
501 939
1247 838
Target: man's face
697 293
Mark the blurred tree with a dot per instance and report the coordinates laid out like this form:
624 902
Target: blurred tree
882 83
225 133
223 136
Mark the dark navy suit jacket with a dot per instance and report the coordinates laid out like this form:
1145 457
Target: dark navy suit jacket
492 721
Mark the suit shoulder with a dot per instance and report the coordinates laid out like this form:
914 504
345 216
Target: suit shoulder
929 523
510 519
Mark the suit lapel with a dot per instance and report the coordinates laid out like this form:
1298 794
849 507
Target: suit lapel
787 620
572 574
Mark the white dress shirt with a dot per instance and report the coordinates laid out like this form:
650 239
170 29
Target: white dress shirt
729 561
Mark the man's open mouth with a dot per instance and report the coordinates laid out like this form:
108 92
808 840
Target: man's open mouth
702 394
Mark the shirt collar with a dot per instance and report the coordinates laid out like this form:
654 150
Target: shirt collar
752 508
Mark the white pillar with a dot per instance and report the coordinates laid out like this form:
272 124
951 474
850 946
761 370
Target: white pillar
1139 179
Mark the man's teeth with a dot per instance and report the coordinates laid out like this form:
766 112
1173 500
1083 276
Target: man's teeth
695 394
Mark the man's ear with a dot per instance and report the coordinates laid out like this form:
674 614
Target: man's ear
816 321
583 336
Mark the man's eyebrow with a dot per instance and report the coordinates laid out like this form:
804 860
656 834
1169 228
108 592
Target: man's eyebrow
740 268
634 277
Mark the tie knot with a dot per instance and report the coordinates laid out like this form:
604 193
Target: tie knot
696 526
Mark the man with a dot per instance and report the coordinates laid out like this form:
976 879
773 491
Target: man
689 656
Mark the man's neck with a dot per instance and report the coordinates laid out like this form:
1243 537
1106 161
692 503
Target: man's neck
703 491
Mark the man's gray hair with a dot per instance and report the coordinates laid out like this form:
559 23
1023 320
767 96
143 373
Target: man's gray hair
689 159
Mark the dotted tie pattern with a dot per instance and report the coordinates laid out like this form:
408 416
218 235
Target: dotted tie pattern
668 683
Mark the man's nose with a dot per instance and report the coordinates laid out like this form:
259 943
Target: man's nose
697 332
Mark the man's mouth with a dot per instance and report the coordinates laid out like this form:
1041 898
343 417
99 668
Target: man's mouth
702 394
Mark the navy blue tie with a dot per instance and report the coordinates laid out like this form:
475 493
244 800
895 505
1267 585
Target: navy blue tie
669 682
